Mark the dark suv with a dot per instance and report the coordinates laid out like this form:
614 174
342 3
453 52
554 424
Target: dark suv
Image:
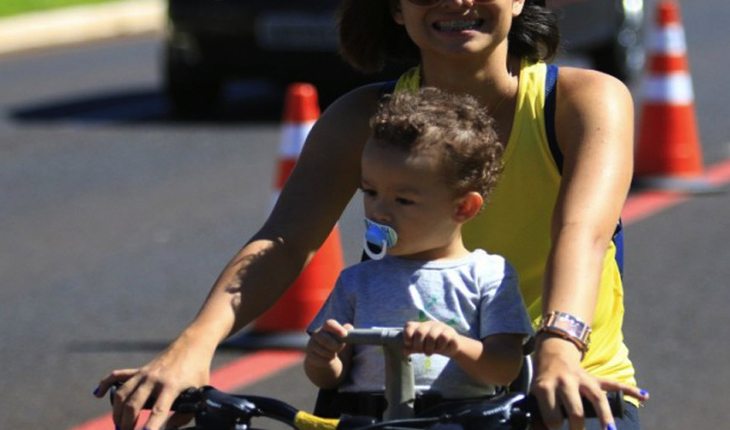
210 42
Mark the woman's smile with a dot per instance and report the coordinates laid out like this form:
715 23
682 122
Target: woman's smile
458 25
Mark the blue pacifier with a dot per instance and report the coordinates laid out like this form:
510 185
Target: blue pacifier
379 235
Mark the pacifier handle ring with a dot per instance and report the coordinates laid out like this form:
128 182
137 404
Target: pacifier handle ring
373 255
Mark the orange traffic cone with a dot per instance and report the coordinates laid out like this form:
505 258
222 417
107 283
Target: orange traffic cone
668 154
283 326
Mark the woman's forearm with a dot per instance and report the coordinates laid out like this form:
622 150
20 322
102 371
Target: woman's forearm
573 272
308 207
251 283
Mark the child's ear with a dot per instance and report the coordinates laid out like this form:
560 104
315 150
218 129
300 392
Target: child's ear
468 206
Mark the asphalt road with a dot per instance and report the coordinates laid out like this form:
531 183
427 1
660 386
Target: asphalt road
115 220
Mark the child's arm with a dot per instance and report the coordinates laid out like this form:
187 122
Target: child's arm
327 359
496 360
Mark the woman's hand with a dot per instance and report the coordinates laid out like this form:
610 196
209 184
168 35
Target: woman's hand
560 381
165 377
430 337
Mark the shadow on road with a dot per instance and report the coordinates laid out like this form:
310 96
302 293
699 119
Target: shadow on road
102 346
116 346
148 105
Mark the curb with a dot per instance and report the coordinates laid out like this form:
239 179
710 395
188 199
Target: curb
80 24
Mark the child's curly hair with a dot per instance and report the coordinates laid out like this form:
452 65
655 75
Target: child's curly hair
456 127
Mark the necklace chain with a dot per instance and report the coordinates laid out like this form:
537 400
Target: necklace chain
492 111
496 107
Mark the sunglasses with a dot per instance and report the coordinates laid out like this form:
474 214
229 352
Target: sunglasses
434 2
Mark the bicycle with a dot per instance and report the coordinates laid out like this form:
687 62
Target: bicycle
514 410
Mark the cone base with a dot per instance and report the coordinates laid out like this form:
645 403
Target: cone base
258 340
673 184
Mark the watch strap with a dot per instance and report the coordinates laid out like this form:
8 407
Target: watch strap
568 327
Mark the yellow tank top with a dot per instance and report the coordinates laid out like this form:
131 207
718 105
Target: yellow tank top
516 223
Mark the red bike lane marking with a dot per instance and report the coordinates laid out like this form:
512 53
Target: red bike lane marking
259 365
648 203
236 374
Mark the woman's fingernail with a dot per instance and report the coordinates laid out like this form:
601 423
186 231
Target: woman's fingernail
611 426
97 391
644 393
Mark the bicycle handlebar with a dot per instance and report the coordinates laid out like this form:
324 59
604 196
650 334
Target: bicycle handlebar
386 336
218 410
400 392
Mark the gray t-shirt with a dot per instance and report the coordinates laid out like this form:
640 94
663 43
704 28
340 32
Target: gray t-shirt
476 295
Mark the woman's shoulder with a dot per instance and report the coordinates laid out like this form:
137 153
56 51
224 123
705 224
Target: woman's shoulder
586 98
577 83
360 101
349 115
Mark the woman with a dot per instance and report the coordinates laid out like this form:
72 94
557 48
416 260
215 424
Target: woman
567 173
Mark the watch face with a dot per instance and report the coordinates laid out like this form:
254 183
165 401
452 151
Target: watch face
569 324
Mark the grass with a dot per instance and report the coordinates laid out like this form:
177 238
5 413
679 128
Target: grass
18 7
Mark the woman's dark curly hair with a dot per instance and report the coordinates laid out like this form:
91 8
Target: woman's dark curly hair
369 38
456 128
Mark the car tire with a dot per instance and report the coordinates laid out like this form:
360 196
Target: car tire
192 90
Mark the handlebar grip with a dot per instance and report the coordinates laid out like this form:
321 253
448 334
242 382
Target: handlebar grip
375 336
615 402
185 402
306 421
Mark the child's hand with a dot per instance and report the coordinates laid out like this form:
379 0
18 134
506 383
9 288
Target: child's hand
323 345
430 337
